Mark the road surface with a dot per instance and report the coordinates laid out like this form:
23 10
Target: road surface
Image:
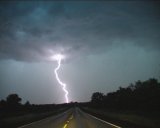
73 118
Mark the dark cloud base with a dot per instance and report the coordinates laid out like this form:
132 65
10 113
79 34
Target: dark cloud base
33 31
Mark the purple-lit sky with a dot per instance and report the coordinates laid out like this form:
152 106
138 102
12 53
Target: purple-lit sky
106 44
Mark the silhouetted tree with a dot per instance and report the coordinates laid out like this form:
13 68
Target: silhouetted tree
27 104
142 96
97 97
13 100
2 104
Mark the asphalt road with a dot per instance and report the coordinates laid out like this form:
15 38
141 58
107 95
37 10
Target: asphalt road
73 118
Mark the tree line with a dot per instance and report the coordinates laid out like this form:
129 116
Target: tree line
138 96
12 106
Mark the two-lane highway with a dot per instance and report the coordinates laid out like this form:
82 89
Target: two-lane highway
73 118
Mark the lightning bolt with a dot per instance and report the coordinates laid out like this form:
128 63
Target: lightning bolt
59 58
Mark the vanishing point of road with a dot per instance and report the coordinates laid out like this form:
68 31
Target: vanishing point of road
73 118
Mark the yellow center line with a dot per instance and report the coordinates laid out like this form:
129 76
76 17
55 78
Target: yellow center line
65 126
67 122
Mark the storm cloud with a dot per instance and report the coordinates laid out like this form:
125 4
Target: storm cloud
106 44
33 31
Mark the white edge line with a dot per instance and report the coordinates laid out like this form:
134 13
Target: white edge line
40 120
104 121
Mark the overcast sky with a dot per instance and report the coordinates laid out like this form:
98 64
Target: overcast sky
106 44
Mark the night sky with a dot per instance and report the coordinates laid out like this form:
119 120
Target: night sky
106 44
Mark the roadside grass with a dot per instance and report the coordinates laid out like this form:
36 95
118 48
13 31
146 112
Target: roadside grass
125 119
14 122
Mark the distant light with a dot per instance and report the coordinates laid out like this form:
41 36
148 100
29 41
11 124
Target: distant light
57 57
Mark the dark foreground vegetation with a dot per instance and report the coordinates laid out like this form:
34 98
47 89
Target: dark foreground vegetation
141 96
13 113
135 106
12 106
